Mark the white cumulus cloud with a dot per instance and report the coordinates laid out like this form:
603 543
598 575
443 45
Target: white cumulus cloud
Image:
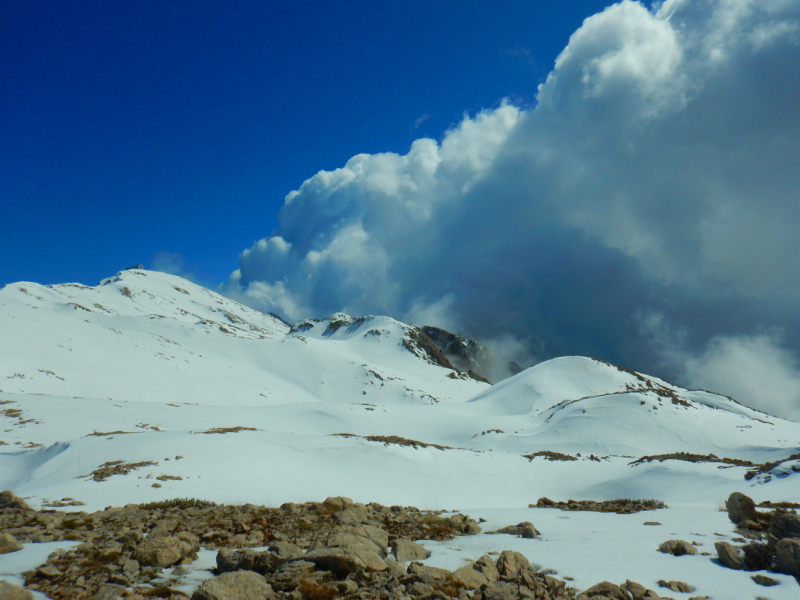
657 172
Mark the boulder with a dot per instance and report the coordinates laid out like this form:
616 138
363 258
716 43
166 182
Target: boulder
9 591
241 585
405 550
785 525
787 556
9 499
676 586
608 590
510 562
741 508
464 524
525 529
729 555
486 565
161 551
422 590
336 504
468 578
8 543
677 548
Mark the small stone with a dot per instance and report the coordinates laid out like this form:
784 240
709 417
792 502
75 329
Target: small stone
764 580
676 586
651 523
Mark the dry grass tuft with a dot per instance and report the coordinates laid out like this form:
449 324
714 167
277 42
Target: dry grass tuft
313 590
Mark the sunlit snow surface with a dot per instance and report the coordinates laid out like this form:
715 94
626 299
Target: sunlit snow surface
163 360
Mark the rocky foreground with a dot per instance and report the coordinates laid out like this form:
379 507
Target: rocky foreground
326 550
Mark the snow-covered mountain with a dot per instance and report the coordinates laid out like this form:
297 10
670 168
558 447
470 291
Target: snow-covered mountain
148 387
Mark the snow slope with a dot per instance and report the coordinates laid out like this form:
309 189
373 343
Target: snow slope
143 367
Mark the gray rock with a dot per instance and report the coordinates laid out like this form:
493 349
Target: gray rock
510 562
676 586
677 548
787 556
9 591
161 551
405 550
729 555
9 499
241 585
8 543
469 578
741 508
486 565
785 525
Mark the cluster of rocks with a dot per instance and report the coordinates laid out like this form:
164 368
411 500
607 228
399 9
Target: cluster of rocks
624 506
316 551
774 535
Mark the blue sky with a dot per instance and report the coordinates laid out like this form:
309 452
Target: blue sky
134 128
550 178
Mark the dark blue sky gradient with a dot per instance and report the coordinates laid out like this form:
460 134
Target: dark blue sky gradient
129 128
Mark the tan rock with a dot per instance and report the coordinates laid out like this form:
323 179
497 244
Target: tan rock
740 508
162 551
729 555
676 586
677 548
9 499
469 578
8 543
405 550
510 562
486 565
9 591
240 585
607 589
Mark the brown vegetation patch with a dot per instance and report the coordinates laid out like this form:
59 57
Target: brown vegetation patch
116 467
236 429
549 455
770 504
105 433
695 458
400 441
623 506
